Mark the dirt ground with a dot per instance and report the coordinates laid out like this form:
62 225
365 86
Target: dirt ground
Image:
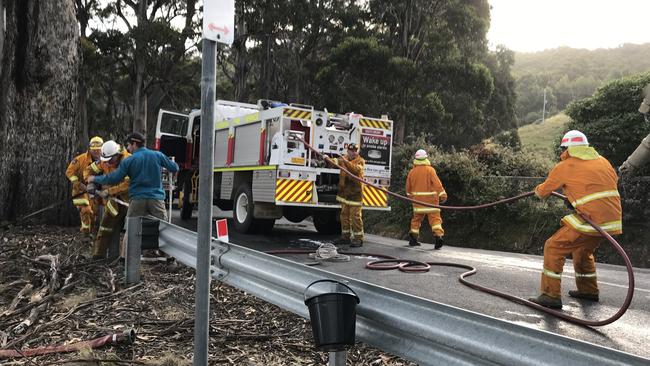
51 293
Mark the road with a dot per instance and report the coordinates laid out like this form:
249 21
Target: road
516 274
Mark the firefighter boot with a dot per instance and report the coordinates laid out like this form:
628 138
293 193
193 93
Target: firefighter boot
413 240
342 241
582 295
439 242
356 243
547 301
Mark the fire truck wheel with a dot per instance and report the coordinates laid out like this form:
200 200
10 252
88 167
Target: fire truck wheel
327 222
243 209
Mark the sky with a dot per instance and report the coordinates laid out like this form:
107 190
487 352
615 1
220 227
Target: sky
536 25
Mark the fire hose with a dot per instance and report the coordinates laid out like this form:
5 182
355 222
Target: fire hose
418 266
127 336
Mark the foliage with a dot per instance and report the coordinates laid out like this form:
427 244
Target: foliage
610 119
569 74
424 64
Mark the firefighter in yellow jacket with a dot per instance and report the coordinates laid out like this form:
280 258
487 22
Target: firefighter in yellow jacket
111 156
423 185
87 207
590 184
349 196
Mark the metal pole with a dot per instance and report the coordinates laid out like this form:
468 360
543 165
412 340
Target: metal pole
170 176
133 249
202 318
337 358
544 107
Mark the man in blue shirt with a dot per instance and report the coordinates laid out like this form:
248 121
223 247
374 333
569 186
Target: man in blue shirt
143 167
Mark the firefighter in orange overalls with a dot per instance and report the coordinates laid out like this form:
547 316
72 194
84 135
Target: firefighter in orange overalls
88 208
350 197
423 185
111 156
590 184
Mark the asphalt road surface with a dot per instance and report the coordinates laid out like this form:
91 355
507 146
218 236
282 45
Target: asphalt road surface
516 274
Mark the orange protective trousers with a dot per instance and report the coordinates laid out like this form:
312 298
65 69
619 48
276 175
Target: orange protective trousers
434 220
88 216
351 221
581 247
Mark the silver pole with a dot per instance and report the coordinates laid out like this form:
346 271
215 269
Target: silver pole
337 358
170 177
544 107
133 249
202 318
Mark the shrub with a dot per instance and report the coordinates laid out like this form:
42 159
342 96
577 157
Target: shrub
610 119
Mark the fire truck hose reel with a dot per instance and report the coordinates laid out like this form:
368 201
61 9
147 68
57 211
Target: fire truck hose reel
388 262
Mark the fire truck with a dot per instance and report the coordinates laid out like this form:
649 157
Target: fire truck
262 171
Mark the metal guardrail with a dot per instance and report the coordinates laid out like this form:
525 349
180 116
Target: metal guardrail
413 328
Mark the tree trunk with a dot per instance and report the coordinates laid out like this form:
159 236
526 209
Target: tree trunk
241 57
139 103
2 29
38 99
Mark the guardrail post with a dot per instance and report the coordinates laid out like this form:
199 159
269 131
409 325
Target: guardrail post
133 249
337 358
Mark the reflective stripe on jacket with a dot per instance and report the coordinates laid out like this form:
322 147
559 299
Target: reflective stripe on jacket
590 183
120 190
75 174
350 189
423 184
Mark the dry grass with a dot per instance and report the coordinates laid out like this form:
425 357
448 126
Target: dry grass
538 138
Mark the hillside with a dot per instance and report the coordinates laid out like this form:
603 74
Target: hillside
569 74
538 138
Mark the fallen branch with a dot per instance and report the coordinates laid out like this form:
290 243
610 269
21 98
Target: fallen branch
22 294
97 360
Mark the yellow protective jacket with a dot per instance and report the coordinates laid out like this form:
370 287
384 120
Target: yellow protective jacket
75 173
350 189
423 184
590 183
120 190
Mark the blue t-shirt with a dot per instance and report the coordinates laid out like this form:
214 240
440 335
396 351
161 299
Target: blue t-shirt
143 169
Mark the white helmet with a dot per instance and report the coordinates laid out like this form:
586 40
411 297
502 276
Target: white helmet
110 148
574 138
421 154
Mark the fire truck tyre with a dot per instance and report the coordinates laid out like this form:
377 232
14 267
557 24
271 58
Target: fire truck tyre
263 226
327 222
295 214
187 207
243 209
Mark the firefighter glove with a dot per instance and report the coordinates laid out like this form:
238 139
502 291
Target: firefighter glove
103 194
91 188
568 204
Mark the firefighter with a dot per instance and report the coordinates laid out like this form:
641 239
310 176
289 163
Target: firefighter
349 196
87 207
112 154
145 184
423 185
590 184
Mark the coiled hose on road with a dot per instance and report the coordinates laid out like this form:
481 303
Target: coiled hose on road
417 266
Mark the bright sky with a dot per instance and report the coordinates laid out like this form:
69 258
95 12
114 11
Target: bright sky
535 25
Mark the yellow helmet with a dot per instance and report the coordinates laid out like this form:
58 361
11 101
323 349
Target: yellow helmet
96 143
